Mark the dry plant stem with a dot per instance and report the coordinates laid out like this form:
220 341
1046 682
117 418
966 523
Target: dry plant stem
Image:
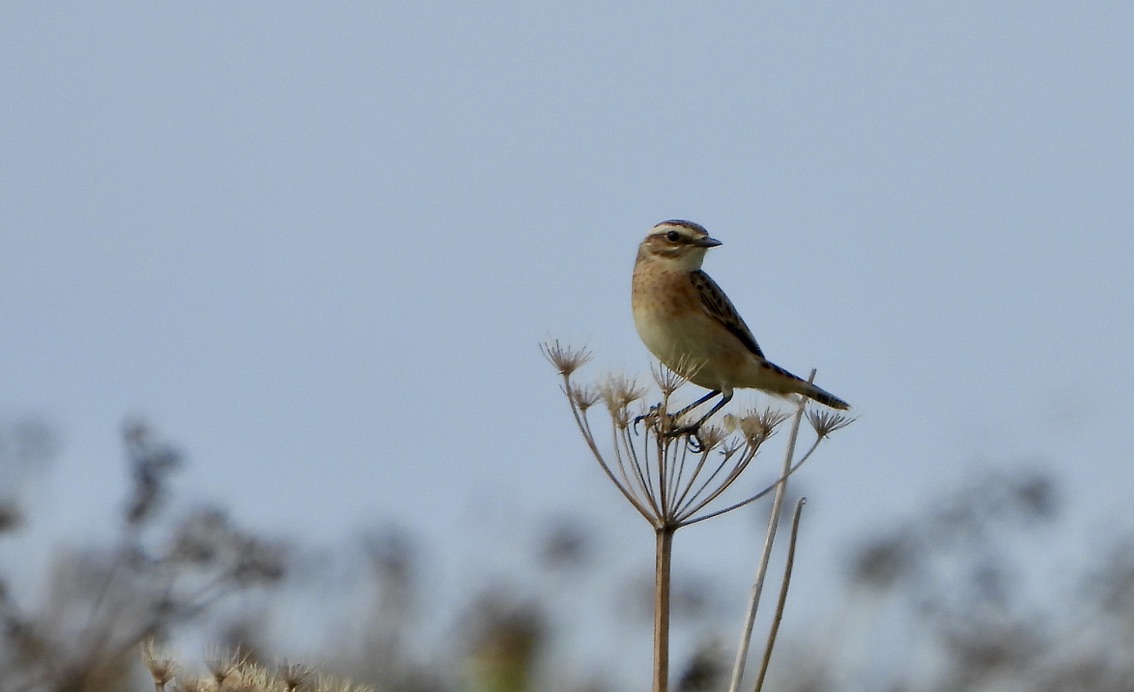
775 486
783 594
661 607
769 539
698 503
585 428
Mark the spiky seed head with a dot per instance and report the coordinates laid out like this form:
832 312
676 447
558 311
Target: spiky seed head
667 380
619 391
711 437
565 359
256 678
826 422
757 426
670 380
221 664
294 675
583 397
162 667
731 446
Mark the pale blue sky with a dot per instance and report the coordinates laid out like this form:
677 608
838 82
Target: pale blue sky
318 245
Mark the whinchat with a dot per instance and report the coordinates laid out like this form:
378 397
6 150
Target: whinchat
691 326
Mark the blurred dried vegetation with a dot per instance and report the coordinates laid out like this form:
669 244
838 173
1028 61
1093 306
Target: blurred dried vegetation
946 599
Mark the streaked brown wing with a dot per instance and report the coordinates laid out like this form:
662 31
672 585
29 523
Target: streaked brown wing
720 307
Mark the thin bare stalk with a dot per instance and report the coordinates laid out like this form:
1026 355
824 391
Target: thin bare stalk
792 540
585 429
664 555
638 485
691 501
773 487
769 539
699 502
677 478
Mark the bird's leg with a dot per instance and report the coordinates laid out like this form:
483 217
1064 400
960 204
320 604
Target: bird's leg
720 404
692 429
655 410
695 404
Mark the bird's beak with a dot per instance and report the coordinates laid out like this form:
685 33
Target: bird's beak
707 242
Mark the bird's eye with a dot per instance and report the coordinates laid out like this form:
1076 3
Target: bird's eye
673 236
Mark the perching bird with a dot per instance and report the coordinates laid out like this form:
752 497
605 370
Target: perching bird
691 326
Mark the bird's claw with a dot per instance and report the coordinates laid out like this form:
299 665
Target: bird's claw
690 432
695 444
652 413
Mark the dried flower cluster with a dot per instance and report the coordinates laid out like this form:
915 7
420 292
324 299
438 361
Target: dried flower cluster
670 474
231 673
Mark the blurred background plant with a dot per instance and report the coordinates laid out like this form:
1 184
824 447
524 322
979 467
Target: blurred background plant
947 598
100 602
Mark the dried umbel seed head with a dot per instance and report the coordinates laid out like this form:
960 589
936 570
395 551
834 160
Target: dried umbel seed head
583 397
161 666
294 675
757 426
669 381
222 665
619 391
565 359
710 437
826 422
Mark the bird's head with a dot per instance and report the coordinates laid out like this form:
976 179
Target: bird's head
681 244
